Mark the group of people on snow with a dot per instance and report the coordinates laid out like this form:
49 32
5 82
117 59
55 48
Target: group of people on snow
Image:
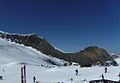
105 73
76 73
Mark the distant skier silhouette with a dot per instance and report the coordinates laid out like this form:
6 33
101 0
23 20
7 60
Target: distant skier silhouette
34 79
71 79
1 77
3 70
102 77
119 77
76 72
105 69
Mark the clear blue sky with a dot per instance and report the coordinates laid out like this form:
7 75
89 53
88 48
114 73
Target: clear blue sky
71 25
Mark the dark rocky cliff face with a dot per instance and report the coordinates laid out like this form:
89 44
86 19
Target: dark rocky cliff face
89 55
33 40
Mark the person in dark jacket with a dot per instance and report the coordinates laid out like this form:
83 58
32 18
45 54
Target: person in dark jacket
102 77
76 72
34 79
105 69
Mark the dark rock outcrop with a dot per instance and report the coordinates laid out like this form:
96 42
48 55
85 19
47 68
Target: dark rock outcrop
91 55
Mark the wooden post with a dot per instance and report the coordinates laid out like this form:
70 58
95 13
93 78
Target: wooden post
22 81
24 74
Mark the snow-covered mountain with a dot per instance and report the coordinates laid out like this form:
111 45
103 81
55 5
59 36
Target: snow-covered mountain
13 55
88 56
34 41
11 52
116 57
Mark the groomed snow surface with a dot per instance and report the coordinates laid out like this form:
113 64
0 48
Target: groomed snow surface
12 55
11 74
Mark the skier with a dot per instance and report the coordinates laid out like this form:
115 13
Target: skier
119 77
71 79
102 77
3 70
34 79
105 69
76 72
1 77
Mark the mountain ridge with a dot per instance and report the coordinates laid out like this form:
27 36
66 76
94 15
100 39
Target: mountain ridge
89 55
11 52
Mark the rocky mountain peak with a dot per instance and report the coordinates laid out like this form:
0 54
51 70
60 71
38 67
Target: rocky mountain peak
89 55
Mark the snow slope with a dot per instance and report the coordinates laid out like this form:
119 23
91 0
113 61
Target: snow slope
118 57
57 74
11 52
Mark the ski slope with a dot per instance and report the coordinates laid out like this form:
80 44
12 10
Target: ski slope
12 56
11 52
57 74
